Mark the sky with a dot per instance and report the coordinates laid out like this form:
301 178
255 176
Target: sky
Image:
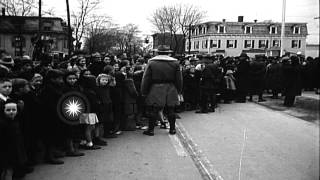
137 12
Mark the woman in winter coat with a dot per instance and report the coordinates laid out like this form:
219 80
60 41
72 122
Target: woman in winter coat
52 127
274 78
130 96
190 85
242 77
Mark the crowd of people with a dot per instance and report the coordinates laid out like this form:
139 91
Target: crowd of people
29 94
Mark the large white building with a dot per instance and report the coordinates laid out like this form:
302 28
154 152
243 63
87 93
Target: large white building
18 32
233 38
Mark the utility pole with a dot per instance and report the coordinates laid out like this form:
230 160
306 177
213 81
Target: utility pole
69 30
39 19
189 42
283 26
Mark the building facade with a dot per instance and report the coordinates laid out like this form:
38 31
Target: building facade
233 38
18 33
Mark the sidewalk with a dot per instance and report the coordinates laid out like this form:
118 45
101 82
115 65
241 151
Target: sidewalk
306 106
310 94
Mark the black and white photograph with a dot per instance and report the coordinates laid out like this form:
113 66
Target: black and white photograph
159 90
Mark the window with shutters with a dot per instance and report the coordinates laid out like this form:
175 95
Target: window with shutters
248 30
276 43
273 30
204 44
215 43
196 45
248 43
263 44
296 43
231 43
296 30
221 29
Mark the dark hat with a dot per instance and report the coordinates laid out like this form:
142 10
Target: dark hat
164 48
54 73
243 55
19 83
7 60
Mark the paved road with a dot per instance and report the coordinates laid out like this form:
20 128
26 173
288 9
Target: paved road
238 141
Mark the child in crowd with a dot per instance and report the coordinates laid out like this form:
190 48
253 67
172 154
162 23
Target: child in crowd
90 119
5 89
73 131
105 115
13 154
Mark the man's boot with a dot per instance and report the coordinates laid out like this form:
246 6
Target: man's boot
172 122
150 130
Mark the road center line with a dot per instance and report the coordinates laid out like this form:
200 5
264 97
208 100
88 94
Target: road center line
201 161
242 149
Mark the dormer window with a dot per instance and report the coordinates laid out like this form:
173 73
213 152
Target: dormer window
247 29
273 30
296 30
204 30
221 29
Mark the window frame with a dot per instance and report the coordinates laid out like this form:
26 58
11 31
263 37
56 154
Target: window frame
211 43
298 45
273 43
204 44
294 28
251 43
234 44
265 44
224 29
275 29
245 30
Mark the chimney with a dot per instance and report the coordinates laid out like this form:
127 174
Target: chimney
255 21
240 18
3 11
223 20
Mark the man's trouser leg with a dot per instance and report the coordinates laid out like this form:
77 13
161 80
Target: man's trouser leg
172 120
152 120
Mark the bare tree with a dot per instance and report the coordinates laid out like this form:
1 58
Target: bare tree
189 15
175 19
81 20
19 7
24 8
95 31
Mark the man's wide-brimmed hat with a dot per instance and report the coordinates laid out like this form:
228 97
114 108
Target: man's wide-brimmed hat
164 48
7 60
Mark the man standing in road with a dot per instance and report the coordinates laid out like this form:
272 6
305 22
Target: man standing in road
161 84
